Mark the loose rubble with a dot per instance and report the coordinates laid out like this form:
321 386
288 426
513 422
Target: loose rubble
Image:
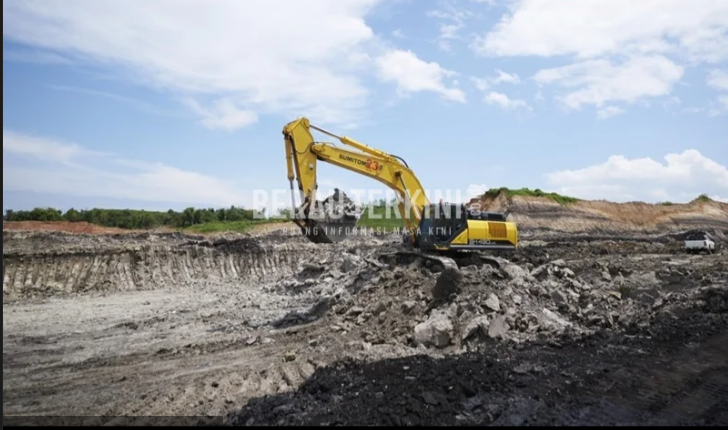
219 324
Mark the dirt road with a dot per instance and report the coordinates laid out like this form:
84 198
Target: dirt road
168 325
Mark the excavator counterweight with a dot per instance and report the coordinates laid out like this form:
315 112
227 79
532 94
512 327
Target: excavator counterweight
430 227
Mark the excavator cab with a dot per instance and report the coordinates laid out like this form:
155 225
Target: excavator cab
440 222
452 227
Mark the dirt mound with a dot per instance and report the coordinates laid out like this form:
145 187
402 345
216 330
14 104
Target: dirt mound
70 227
536 215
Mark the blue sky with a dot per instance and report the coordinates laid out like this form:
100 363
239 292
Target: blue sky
168 104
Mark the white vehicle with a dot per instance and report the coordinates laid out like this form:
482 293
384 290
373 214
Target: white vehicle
698 242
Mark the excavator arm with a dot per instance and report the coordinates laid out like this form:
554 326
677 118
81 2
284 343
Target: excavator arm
431 227
303 152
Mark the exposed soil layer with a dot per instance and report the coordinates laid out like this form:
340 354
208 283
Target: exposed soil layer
359 332
70 227
541 216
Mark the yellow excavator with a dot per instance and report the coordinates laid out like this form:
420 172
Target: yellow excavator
429 227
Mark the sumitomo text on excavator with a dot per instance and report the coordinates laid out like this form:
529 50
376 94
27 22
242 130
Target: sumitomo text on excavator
429 227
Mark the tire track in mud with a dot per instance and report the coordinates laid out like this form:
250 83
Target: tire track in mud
170 334
208 383
692 383
207 392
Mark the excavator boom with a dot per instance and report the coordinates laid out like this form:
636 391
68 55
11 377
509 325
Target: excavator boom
303 152
435 227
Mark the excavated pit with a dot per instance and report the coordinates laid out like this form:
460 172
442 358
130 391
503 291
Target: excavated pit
275 329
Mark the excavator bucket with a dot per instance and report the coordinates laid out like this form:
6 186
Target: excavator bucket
332 220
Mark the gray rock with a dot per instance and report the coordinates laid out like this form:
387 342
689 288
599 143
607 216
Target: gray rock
381 307
541 272
448 283
514 272
550 320
430 398
361 319
558 297
493 303
498 327
356 310
437 331
350 263
610 319
475 327
408 306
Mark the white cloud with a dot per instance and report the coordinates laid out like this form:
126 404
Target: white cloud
411 74
683 177
596 82
483 84
138 104
225 114
454 18
597 28
724 101
34 57
480 83
45 165
40 148
609 112
503 101
449 31
672 102
718 79
504 77
658 39
227 48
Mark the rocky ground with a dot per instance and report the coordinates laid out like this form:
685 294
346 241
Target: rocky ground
274 329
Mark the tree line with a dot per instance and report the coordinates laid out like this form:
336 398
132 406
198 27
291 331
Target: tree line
138 219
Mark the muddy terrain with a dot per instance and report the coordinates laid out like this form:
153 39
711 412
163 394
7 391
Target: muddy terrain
273 329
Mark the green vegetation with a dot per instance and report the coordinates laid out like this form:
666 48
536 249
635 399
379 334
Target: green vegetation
704 198
193 220
667 203
376 216
197 220
228 226
527 192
